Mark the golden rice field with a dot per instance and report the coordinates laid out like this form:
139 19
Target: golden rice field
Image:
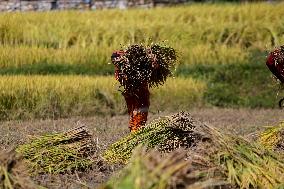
26 97
55 74
207 34
222 50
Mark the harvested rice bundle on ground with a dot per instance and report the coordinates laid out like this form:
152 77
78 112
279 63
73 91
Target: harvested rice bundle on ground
151 169
247 164
242 163
166 134
273 138
226 164
58 153
141 64
13 173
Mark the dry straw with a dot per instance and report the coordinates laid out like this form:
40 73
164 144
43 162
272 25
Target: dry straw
273 138
151 169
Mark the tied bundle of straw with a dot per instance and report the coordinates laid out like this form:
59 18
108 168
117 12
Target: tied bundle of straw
13 173
142 64
58 153
168 133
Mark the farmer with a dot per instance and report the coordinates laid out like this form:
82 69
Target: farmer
137 100
275 62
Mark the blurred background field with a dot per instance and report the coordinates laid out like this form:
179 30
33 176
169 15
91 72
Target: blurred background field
55 73
56 64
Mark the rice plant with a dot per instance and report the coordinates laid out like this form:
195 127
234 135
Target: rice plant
28 97
89 37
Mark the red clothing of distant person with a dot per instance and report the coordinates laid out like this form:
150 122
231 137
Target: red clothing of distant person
137 101
275 62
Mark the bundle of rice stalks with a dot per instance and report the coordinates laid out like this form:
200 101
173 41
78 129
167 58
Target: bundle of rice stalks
239 165
58 153
166 134
247 164
242 163
13 174
273 138
151 169
142 64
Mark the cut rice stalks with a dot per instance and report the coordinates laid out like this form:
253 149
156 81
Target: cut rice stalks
151 169
58 153
241 163
247 164
166 134
273 138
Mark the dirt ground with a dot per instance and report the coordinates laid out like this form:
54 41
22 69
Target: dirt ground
108 129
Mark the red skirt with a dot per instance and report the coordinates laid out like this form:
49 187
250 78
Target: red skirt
138 103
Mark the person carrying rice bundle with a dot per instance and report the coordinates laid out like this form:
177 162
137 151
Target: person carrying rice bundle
138 68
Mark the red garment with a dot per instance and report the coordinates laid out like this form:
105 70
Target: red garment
275 62
137 101
137 121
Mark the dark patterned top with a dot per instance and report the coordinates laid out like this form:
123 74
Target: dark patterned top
275 63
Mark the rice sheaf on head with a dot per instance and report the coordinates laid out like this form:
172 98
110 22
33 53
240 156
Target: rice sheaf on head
141 65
